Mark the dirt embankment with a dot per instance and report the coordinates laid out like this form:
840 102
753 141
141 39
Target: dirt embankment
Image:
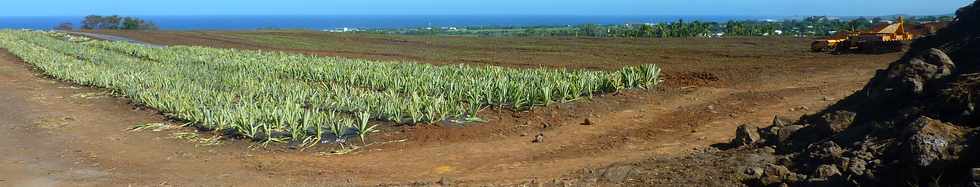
914 123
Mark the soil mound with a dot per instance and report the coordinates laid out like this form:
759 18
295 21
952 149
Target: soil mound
914 124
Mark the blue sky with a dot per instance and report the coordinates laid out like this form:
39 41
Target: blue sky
452 7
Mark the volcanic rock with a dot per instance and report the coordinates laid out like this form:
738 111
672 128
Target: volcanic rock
745 135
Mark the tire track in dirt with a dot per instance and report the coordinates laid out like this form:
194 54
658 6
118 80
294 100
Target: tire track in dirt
57 134
694 121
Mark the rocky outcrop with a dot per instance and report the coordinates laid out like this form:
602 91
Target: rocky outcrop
779 131
914 123
932 143
745 135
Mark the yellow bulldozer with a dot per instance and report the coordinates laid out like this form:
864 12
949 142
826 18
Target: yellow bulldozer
889 38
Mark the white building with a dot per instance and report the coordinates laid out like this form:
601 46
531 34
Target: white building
345 29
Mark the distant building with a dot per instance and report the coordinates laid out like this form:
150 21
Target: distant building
638 24
345 29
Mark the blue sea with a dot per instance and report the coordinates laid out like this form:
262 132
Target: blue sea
363 21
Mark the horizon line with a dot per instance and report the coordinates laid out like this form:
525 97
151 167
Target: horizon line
693 15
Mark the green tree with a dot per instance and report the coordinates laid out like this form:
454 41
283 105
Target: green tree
590 30
91 22
116 22
65 26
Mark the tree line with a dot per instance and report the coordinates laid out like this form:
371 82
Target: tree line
815 26
114 22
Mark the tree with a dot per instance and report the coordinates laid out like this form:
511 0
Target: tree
590 30
65 26
111 22
646 30
91 22
858 24
95 22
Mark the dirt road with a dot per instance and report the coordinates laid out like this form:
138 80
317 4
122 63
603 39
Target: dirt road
56 134
113 38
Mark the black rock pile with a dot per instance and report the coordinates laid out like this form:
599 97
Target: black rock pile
914 124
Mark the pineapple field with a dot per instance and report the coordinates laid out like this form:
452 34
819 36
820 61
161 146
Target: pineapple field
214 108
270 96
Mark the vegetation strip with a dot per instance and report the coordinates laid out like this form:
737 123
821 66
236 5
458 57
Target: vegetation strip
274 96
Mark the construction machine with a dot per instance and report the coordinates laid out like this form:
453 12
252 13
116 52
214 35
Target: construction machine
889 38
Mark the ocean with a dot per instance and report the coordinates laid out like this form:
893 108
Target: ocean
362 21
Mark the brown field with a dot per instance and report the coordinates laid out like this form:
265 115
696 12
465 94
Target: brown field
712 86
695 58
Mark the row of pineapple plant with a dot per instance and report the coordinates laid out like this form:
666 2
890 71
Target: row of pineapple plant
280 96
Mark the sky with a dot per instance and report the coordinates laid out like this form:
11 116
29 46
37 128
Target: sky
480 7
